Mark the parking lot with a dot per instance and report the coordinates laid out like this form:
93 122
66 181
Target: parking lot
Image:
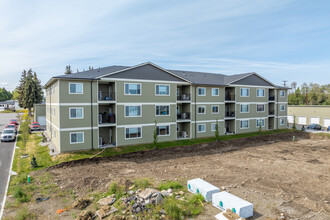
6 151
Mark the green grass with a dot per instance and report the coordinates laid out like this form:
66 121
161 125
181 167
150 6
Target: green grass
142 183
170 184
323 134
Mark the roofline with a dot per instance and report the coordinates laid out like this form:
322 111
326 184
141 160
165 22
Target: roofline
253 73
64 78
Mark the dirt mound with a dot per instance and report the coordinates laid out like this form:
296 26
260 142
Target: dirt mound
198 149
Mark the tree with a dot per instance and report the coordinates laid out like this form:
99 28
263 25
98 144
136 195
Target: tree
5 95
90 68
29 90
154 143
25 129
314 93
68 70
216 133
15 94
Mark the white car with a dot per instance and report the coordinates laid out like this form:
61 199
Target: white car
8 134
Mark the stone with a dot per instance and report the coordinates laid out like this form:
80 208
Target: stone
131 187
155 194
163 216
181 193
162 211
85 215
223 188
81 204
147 193
106 201
164 193
131 192
159 199
104 212
169 190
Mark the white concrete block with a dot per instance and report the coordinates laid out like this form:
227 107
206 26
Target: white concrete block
224 200
206 189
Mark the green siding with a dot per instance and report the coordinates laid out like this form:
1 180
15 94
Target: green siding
87 145
66 122
66 97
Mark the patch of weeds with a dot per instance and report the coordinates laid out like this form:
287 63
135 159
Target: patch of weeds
20 196
142 183
114 188
173 208
170 184
24 214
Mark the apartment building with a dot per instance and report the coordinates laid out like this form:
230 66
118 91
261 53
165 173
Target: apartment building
119 105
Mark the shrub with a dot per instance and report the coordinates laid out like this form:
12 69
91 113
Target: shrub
170 184
142 183
24 214
117 190
20 196
173 209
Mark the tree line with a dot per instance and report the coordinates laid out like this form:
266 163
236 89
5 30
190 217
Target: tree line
309 94
5 95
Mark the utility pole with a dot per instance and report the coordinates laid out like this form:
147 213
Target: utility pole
284 83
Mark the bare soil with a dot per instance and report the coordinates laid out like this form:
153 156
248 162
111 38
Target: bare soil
274 173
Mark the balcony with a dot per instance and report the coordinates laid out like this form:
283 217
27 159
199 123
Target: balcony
230 114
183 97
183 116
230 97
271 112
106 96
271 98
107 119
182 135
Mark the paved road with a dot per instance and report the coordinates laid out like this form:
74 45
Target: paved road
6 152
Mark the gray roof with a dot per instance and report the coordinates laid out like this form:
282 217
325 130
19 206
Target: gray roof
200 78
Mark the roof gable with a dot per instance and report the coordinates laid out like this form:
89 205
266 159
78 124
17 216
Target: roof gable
252 80
145 72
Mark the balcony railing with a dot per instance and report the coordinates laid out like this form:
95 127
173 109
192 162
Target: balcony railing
230 114
107 118
230 97
271 112
271 98
183 97
106 96
182 134
183 116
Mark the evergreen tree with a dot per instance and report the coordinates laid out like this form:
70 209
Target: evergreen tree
68 70
5 95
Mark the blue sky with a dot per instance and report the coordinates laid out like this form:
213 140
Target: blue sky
280 40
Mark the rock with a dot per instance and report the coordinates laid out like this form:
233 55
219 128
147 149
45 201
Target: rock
131 192
181 193
101 213
164 193
169 190
91 198
131 187
163 216
177 197
147 193
327 202
81 204
162 211
223 188
106 201
85 215
159 199
155 194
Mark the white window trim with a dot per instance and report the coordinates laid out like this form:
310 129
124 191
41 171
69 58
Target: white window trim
282 119
198 91
82 88
169 89
201 131
281 109
82 113
169 110
216 89
83 137
204 106
214 128
240 92
260 89
240 124
135 137
257 107
133 94
169 131
212 109
261 123
132 116
281 93
240 108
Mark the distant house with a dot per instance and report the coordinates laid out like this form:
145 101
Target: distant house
118 105
9 105
309 114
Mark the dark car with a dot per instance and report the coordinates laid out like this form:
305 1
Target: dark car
34 126
328 129
314 127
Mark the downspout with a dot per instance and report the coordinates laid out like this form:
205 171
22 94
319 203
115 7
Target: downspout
92 130
277 108
195 113
50 110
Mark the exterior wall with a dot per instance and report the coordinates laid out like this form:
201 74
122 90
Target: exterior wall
85 97
310 111
208 132
86 145
39 110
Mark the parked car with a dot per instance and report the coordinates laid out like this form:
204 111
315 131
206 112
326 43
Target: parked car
34 126
314 127
12 126
14 121
8 134
328 129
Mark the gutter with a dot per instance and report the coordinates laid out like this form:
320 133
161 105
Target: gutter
92 130
276 108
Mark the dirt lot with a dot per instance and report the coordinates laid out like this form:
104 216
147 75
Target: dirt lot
274 173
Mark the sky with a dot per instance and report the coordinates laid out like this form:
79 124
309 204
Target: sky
280 40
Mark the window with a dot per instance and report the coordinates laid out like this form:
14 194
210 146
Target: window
201 128
76 113
213 126
282 93
282 121
262 121
133 132
244 108
215 109
162 90
245 92
260 107
260 93
215 92
77 137
162 110
244 124
163 130
132 89
76 88
201 92
132 111
282 107
201 109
